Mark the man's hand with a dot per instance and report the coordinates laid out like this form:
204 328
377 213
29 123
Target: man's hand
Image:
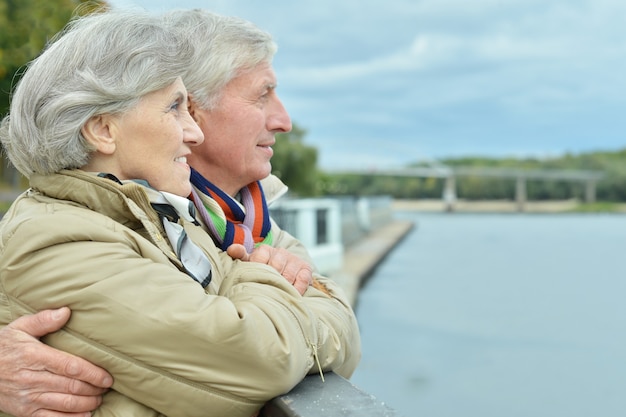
39 381
295 270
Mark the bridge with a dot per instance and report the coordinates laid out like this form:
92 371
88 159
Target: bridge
521 176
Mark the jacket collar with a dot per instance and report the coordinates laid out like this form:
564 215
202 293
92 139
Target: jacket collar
273 188
98 194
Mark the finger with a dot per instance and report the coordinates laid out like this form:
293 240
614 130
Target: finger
37 356
262 254
303 280
45 394
280 259
64 403
42 323
48 413
82 377
293 267
237 251
39 381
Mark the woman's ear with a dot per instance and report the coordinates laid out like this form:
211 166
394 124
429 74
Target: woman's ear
97 131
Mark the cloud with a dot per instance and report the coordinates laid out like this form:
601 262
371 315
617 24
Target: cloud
385 81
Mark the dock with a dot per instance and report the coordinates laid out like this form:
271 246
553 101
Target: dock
361 258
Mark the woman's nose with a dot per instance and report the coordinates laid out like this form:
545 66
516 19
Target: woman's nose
192 133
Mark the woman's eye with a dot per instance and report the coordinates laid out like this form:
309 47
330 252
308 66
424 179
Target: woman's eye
175 105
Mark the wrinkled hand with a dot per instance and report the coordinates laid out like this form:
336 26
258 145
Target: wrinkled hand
39 381
295 270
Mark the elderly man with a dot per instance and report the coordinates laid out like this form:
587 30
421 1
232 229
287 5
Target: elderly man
232 88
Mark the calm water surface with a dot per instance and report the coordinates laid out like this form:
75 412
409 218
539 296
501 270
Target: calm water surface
499 315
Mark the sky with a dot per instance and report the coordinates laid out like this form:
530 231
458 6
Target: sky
383 84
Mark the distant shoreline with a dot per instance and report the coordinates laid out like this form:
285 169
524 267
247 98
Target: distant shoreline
502 206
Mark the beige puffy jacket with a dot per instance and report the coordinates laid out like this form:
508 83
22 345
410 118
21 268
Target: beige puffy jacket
174 349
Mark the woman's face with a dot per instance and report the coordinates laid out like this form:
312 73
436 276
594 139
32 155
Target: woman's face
153 140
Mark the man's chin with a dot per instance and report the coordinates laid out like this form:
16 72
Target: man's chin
263 173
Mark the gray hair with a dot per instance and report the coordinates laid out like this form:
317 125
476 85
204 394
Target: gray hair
224 48
102 63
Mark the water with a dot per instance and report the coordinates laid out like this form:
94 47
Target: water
499 315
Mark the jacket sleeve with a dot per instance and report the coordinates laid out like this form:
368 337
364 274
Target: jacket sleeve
342 351
167 343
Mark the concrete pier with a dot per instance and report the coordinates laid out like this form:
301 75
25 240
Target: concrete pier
361 258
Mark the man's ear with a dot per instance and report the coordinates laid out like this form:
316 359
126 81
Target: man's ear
97 131
192 107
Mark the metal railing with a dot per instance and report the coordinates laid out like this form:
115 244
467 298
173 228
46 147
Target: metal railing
333 397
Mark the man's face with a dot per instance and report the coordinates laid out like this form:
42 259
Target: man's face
239 131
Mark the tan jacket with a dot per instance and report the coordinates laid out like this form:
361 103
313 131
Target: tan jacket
173 349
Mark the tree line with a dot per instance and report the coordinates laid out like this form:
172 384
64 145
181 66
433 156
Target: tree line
612 188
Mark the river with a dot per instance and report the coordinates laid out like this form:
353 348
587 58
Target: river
492 315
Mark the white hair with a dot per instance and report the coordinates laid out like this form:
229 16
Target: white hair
100 63
224 47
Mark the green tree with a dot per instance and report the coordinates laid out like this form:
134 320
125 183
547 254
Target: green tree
26 27
295 163
612 188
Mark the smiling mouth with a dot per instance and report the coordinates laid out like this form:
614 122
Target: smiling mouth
182 159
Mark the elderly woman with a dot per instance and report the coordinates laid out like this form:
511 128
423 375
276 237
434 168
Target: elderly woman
99 125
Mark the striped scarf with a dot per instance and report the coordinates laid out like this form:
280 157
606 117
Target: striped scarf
227 222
